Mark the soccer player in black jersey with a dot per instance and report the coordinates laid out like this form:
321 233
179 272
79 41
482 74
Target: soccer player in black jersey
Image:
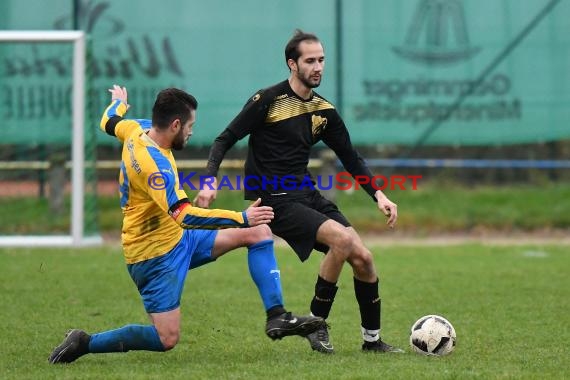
283 122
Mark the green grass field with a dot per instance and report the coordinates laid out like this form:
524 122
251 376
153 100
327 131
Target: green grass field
509 305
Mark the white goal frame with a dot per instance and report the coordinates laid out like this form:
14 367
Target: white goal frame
76 235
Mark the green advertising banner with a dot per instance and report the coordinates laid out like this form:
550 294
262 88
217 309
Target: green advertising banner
439 72
220 51
456 72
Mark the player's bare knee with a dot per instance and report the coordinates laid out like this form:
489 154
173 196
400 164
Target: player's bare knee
362 262
342 246
345 242
169 341
265 232
259 233
169 336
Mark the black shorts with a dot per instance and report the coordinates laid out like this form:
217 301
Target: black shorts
299 216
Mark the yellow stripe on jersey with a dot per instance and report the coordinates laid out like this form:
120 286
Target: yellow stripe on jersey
289 107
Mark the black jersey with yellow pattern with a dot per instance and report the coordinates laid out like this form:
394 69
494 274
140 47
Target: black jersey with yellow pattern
283 128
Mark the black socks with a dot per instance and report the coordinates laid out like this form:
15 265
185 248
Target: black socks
369 303
324 296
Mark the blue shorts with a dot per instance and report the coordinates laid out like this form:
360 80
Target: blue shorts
160 280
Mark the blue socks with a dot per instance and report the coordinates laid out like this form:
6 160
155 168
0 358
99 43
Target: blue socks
264 272
126 338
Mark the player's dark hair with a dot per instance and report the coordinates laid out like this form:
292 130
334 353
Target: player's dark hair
172 104
292 47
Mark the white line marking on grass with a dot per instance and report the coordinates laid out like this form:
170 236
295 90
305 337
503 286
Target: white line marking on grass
538 254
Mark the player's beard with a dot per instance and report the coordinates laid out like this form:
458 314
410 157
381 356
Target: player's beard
306 81
179 141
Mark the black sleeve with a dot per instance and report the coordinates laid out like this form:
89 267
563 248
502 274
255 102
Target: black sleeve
250 117
337 138
111 123
221 145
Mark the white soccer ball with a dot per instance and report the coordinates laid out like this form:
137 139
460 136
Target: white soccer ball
432 335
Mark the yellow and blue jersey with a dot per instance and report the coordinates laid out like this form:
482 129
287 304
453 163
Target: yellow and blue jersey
154 205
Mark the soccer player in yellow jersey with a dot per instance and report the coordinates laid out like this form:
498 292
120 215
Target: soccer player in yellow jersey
164 235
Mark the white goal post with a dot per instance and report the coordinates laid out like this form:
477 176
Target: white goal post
76 236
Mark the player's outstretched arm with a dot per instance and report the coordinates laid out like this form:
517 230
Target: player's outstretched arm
190 217
112 121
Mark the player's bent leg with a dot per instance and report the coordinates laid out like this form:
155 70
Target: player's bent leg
361 259
366 284
230 239
167 325
340 243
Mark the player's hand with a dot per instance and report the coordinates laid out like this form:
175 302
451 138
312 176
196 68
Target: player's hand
257 214
206 196
119 93
389 208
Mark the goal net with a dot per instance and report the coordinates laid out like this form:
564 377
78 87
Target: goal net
47 149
